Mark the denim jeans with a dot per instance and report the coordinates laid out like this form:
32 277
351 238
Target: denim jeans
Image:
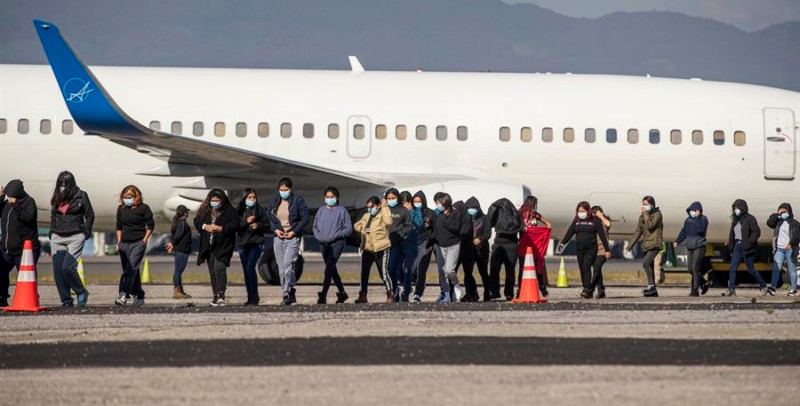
736 258
330 255
131 255
450 255
249 255
788 256
67 252
286 252
181 260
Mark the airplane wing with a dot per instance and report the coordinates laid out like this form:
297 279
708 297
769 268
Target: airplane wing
98 114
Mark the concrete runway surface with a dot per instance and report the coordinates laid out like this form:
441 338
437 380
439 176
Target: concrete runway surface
626 349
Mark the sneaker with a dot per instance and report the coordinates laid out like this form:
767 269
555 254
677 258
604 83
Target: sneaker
417 299
651 291
770 291
601 294
83 298
404 298
251 303
456 293
765 291
704 288
694 293
67 306
444 298
362 298
286 300
341 297
487 296
321 299
586 294
729 292
792 293
121 300
292 297
138 302
470 297
217 301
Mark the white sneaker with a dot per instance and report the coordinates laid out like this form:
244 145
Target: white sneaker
457 293
444 299
122 300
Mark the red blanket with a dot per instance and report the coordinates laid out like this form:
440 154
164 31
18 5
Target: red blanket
537 238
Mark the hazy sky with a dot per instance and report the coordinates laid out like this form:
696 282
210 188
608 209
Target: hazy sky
748 15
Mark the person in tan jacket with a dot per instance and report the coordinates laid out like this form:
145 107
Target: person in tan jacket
373 228
651 231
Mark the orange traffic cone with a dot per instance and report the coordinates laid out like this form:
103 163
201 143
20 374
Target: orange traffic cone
26 296
529 290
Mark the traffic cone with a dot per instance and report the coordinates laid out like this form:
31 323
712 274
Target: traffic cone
26 295
562 281
80 272
146 271
529 290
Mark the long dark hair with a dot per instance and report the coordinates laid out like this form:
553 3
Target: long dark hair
205 208
596 208
181 213
586 206
242 205
405 196
392 191
67 179
528 209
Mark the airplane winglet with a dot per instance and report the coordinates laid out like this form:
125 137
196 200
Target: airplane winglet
87 100
355 65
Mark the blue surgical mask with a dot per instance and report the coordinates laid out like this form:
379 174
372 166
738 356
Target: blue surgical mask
648 208
472 211
418 205
439 208
392 202
214 204
373 211
285 195
785 216
737 212
250 203
582 215
331 201
693 214
127 202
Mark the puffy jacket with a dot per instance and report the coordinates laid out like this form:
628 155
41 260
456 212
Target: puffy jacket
375 230
775 222
650 230
693 227
298 214
751 232
79 217
18 220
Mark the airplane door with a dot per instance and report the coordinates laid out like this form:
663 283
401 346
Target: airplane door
780 143
359 136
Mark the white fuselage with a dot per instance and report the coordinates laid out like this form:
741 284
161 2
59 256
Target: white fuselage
559 173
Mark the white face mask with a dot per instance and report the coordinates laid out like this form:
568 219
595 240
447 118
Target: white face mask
582 215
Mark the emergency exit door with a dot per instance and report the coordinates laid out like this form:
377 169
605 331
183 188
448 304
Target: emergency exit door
359 137
780 144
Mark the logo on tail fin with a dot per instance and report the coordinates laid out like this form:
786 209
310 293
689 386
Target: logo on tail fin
76 90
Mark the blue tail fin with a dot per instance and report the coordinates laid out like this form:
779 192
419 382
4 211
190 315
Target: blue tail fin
88 102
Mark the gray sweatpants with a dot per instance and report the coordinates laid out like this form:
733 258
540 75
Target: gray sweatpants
450 255
286 252
67 251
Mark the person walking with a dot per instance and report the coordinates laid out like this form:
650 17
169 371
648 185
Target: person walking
475 251
786 244
450 229
373 228
217 223
504 218
426 219
602 254
331 226
650 230
288 217
398 232
586 228
71 221
253 224
743 244
18 222
180 247
134 227
536 234
693 236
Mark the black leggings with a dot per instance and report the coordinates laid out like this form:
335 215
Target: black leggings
503 254
586 257
649 266
597 273
471 256
381 260
695 261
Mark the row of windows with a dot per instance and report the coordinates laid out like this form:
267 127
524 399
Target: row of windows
401 132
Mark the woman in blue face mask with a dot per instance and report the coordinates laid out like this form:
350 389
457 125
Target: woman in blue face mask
253 224
743 245
374 230
693 235
398 232
180 247
134 228
650 230
331 226
217 223
288 217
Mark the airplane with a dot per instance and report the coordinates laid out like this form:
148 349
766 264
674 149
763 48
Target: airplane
177 132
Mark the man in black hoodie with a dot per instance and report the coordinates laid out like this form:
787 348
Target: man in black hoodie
504 217
18 217
786 244
475 251
743 245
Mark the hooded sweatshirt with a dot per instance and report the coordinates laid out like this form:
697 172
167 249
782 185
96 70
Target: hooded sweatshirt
504 217
18 220
451 228
401 224
750 231
786 231
481 229
426 217
693 228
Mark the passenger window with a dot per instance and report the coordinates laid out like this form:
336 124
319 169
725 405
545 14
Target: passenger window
241 129
67 127
611 135
569 135
197 129
505 134
441 133
462 133
23 126
719 137
219 129
526 134
177 127
400 132
655 136
547 134
676 137
263 130
155 125
739 138
286 130
590 135
358 132
308 130
697 137
3 126
380 132
633 136
45 126
422 132
333 131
